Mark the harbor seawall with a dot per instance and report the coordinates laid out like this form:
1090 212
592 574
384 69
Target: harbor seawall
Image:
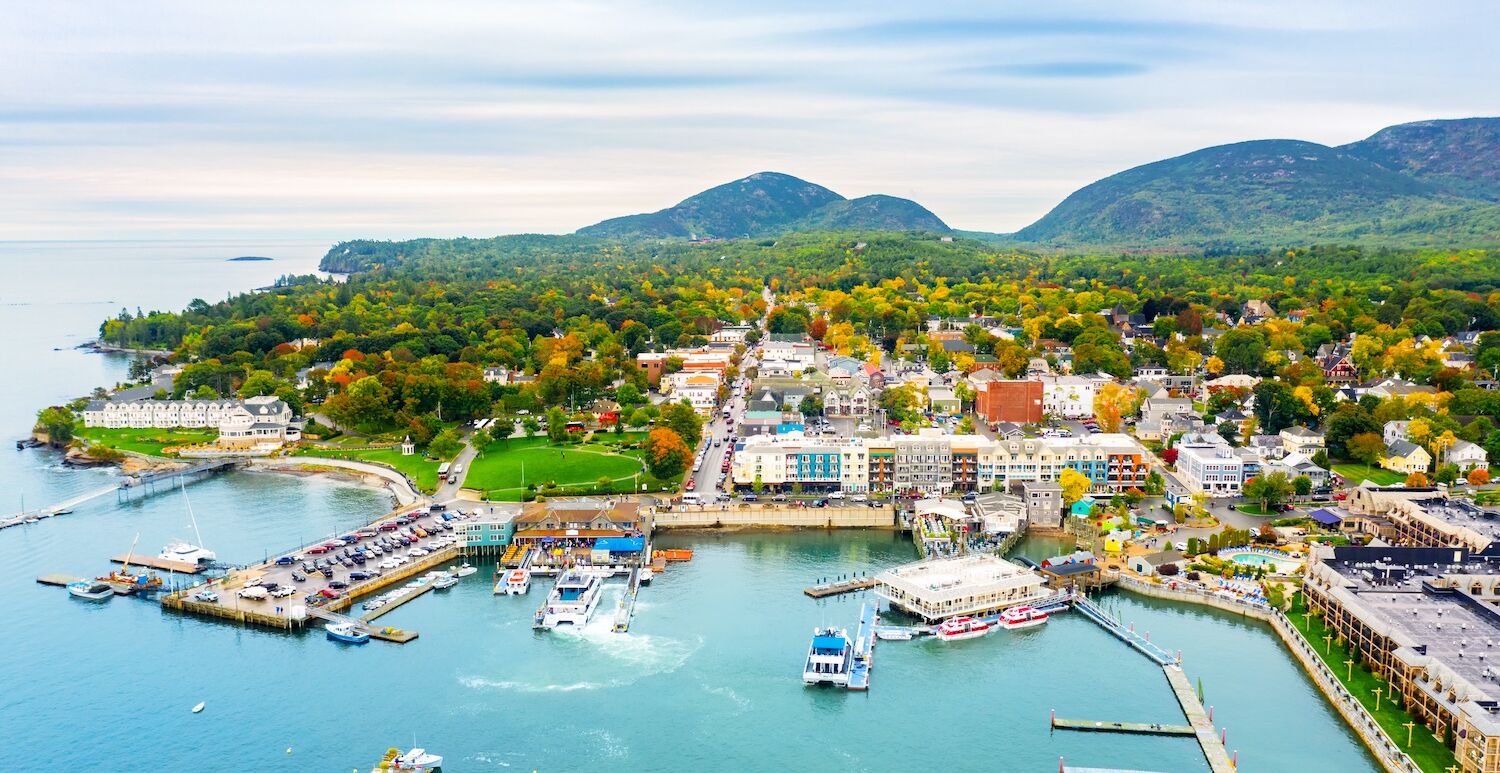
777 517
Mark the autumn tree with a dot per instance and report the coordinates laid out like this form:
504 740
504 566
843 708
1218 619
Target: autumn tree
1269 490
1112 403
666 454
1479 476
1417 480
1366 447
1074 485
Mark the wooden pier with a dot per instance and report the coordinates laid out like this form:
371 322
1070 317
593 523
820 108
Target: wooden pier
1143 728
841 587
166 565
394 603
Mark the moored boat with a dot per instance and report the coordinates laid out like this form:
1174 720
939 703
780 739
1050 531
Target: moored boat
347 633
465 569
828 657
417 759
90 590
444 580
894 634
513 582
1022 617
572 600
960 628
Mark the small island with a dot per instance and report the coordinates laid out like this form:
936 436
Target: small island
246 258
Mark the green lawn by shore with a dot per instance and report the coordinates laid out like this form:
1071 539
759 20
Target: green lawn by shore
1354 473
507 466
1430 754
415 466
147 440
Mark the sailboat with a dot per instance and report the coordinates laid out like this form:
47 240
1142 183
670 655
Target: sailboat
185 552
125 583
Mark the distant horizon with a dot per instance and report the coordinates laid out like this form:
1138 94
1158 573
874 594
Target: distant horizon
379 120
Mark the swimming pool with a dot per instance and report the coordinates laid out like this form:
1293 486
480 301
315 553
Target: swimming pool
1274 563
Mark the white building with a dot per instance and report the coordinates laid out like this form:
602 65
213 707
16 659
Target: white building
951 587
248 422
1301 440
699 387
1210 468
1467 456
1068 397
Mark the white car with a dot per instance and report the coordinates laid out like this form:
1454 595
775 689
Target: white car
861 498
284 591
389 563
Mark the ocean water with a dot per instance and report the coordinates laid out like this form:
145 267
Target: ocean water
707 680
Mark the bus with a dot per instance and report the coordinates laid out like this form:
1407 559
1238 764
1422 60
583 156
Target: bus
443 469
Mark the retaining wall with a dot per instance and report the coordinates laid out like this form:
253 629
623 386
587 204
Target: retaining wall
777 517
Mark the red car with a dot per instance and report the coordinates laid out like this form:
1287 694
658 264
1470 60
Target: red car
389 526
317 550
691 484
328 593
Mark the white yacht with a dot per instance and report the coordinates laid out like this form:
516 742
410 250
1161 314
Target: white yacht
572 600
828 657
187 553
418 759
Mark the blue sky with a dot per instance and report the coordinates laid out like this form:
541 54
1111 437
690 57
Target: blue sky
333 120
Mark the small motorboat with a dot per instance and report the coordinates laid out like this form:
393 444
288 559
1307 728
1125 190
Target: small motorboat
347 633
198 708
1022 617
90 590
647 575
418 759
960 628
465 569
893 634
443 581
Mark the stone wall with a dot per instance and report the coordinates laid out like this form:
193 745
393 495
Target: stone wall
776 517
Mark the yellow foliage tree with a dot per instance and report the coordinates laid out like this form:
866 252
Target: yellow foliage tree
1215 365
1074 485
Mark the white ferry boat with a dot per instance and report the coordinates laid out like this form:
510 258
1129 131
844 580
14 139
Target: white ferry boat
572 600
1022 617
960 628
828 658
512 582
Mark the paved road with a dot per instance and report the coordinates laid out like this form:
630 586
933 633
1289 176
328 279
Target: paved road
447 491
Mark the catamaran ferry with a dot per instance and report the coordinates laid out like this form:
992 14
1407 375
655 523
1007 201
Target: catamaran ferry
572 600
1022 617
828 658
960 628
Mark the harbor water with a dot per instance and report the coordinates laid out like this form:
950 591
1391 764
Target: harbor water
708 679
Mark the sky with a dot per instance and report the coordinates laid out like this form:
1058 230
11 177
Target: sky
335 120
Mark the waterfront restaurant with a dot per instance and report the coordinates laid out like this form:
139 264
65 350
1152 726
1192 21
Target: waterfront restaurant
562 526
1425 620
980 584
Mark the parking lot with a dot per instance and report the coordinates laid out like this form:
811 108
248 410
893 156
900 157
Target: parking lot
320 573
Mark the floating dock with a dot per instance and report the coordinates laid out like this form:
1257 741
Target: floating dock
864 648
395 635
1142 728
841 587
625 610
394 603
166 565
60 580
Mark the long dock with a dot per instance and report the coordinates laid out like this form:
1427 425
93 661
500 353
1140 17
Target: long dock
146 483
395 635
60 580
837 588
864 648
393 604
625 610
1128 635
1143 728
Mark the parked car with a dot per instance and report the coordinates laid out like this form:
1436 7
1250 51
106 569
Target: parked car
283 592
207 597
338 584
299 577
329 593
356 576
284 561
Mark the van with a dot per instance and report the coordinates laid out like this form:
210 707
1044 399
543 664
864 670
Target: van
691 498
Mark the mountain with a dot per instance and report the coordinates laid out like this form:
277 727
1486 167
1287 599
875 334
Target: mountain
1426 183
1461 156
769 203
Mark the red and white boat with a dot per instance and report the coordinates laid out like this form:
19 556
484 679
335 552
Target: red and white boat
960 628
1022 617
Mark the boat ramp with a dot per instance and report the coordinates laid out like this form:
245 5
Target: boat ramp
863 659
625 609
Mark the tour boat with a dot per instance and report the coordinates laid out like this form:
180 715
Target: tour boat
572 600
444 580
828 657
347 633
1022 617
90 590
465 569
418 759
514 582
960 628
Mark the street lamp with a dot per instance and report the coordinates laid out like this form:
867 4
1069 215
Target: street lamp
1349 677
1377 698
1408 726
1327 643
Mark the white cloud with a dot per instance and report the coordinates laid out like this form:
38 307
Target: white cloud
346 119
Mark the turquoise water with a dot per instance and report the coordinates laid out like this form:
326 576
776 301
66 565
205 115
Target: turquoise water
708 679
1254 559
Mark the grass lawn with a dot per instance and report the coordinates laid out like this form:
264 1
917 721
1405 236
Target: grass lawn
419 469
1253 509
1430 754
148 440
574 468
1354 473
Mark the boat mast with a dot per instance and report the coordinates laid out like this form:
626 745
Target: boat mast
191 518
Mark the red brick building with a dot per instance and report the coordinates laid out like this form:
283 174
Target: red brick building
1014 401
